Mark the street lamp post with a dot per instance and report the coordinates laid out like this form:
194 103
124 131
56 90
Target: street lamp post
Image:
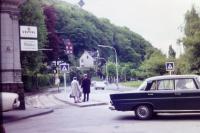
116 63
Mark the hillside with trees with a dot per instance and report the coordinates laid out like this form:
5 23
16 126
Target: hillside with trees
87 31
58 20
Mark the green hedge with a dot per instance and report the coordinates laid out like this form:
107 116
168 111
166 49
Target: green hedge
38 81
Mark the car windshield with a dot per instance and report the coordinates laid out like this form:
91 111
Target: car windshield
142 86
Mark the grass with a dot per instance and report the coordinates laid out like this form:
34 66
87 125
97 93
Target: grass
132 83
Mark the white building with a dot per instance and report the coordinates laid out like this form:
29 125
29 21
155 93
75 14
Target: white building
87 60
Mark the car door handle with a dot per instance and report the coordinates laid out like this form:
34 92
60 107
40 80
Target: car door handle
150 94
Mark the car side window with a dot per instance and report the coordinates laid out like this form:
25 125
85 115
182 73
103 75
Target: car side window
153 86
166 84
185 84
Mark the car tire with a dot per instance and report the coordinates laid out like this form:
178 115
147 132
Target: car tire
143 112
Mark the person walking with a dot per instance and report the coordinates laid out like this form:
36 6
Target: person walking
86 87
75 92
57 80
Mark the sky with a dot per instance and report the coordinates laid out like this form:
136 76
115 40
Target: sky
160 22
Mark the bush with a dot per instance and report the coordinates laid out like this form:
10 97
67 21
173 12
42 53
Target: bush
35 82
44 80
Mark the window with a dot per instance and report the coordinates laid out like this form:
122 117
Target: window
198 78
165 84
185 84
142 86
153 86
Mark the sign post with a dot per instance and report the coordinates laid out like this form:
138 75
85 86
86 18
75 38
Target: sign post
169 67
64 69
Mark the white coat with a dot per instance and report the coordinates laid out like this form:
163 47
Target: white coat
75 92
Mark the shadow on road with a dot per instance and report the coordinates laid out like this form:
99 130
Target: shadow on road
165 116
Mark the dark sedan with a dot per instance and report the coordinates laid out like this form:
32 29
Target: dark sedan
171 93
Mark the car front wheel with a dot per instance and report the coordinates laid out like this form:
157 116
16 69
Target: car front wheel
143 112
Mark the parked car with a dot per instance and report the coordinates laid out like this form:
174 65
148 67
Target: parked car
99 85
172 93
9 101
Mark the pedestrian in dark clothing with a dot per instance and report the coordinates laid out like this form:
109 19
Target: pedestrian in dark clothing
86 87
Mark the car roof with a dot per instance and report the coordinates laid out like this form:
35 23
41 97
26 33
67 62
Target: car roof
171 77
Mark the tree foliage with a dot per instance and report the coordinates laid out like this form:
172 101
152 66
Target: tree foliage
191 40
86 32
53 39
153 66
32 15
171 52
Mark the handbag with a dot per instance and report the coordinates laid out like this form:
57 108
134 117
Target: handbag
70 96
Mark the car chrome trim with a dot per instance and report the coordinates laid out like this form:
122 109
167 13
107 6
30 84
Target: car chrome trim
164 111
157 98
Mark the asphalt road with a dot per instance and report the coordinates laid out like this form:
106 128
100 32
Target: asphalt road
99 119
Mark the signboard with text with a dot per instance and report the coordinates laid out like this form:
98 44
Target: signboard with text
28 31
29 45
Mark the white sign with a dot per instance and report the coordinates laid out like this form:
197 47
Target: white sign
29 45
28 31
169 66
64 67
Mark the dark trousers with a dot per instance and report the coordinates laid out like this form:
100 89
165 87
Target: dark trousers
85 97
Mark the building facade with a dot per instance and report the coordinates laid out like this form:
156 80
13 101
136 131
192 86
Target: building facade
87 60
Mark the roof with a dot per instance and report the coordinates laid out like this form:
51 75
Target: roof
90 53
171 77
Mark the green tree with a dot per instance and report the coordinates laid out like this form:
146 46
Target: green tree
183 66
191 41
171 53
32 14
111 71
126 72
87 31
153 66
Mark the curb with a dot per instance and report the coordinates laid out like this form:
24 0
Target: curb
78 104
27 116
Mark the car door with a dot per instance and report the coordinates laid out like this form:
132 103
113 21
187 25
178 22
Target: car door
161 94
187 94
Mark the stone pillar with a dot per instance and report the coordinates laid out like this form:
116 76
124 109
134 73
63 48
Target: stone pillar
10 79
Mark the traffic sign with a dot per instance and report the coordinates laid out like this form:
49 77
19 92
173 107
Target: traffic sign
64 67
68 46
81 3
169 66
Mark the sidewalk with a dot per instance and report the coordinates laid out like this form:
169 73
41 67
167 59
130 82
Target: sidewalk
95 98
15 115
